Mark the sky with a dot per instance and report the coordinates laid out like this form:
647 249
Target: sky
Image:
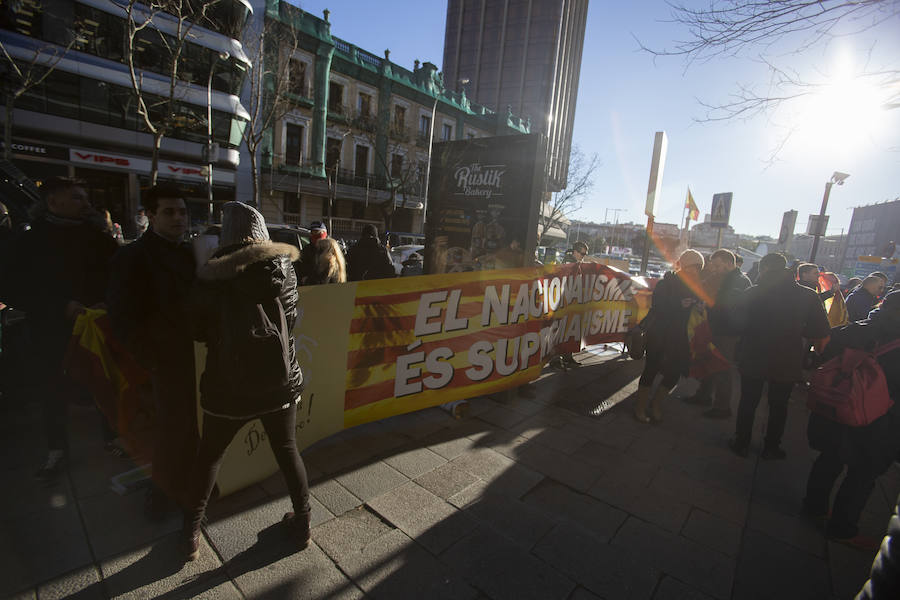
625 95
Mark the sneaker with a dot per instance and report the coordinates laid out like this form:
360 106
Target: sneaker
773 454
569 361
717 413
557 363
696 400
738 449
860 542
56 462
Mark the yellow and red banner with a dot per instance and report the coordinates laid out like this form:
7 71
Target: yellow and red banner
693 211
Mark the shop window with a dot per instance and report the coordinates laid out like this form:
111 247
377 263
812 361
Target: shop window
293 147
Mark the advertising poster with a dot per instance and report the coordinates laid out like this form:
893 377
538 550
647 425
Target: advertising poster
483 204
720 214
866 265
788 222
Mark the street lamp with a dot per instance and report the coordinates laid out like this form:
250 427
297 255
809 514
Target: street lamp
212 152
838 178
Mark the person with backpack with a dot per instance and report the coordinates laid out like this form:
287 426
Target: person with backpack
245 306
867 450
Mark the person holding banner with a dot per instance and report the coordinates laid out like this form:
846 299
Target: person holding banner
245 309
668 350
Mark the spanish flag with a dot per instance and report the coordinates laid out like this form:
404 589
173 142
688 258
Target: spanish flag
706 358
834 306
694 212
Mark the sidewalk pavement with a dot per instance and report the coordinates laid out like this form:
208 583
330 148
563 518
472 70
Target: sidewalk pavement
561 496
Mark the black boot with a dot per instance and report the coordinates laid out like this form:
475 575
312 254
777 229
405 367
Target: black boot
298 527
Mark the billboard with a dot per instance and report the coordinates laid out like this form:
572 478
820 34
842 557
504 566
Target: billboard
721 210
788 222
817 225
483 203
866 265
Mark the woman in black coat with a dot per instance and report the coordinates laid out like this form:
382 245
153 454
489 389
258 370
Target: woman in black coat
245 307
668 351
867 451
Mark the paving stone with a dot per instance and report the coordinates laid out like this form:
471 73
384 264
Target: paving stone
446 480
512 518
559 502
350 532
581 593
236 533
504 442
306 575
677 485
713 532
688 561
419 424
236 502
609 572
450 443
116 523
672 589
41 546
559 466
393 566
83 584
619 468
849 569
796 529
504 570
372 480
483 463
503 416
422 516
782 566
514 482
334 496
413 463
154 570
643 502
33 496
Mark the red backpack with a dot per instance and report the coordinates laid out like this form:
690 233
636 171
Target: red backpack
851 388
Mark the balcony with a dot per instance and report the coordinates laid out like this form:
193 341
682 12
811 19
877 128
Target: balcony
338 112
364 123
399 133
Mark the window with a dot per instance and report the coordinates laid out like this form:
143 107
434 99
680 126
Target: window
336 98
365 105
297 78
291 203
396 166
332 152
447 132
424 125
399 117
362 161
293 145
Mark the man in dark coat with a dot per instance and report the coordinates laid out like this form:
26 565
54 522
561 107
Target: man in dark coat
725 283
867 451
149 287
54 271
774 318
369 259
864 298
307 271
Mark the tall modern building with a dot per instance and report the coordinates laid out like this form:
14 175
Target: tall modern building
874 231
523 56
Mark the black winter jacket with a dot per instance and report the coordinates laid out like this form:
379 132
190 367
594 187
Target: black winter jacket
733 284
257 273
148 294
884 580
45 268
369 260
859 303
667 330
773 319
873 446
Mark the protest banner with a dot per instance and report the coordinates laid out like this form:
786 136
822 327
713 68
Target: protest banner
374 349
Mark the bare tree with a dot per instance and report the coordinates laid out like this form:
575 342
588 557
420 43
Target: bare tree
271 83
20 76
564 203
732 28
403 176
159 112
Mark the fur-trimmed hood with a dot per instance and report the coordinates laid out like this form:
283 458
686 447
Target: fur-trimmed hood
232 264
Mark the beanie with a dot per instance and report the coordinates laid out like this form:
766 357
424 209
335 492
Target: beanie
241 223
317 231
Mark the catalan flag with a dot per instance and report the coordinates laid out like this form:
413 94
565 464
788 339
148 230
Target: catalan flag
693 211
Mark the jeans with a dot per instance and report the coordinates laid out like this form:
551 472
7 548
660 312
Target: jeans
851 497
217 434
175 439
751 393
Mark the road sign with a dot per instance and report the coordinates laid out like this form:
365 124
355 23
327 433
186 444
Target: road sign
721 209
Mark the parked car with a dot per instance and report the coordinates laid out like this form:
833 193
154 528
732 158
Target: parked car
400 253
288 234
402 238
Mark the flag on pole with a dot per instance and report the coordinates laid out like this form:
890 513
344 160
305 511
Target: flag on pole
691 206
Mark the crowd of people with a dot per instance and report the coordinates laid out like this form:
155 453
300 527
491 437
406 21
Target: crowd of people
242 303
772 333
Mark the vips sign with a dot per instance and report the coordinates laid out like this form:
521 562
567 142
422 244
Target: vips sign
483 203
374 349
